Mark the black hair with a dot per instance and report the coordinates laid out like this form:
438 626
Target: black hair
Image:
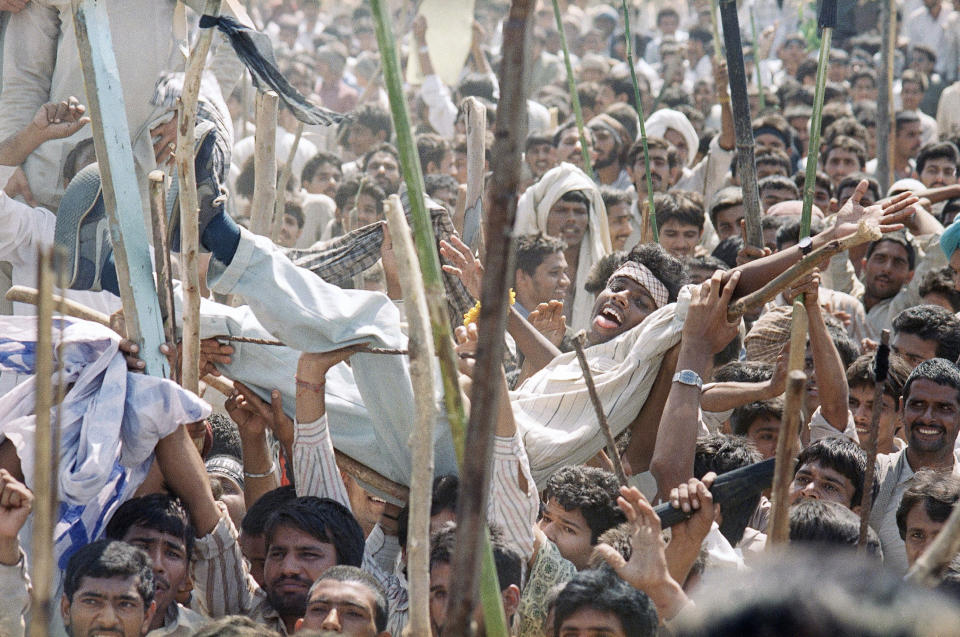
901 239
843 456
536 139
476 85
439 181
602 590
745 415
902 118
936 370
430 149
532 249
157 512
373 116
295 210
853 180
828 523
936 491
721 453
350 189
106 559
576 196
592 491
613 196
931 323
255 520
705 262
235 626
860 372
779 182
673 206
941 282
506 559
313 165
668 269
326 520
384 147
343 573
727 250
789 231
602 270
443 497
653 143
743 372
226 436
938 150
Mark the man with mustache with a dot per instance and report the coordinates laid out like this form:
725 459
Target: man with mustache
930 413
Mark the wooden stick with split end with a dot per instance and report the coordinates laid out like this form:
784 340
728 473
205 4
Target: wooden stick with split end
281 202
264 163
45 470
881 365
163 267
421 438
190 206
928 569
578 342
865 234
779 530
476 116
23 294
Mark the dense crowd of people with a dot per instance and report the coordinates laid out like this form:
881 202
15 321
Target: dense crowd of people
242 511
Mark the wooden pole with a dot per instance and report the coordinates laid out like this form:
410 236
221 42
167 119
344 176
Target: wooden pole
574 96
22 294
421 439
476 116
425 242
881 365
45 470
779 529
742 125
163 266
281 203
578 342
650 219
885 96
264 163
121 194
473 548
190 206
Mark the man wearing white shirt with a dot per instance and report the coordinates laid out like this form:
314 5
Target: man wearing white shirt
928 24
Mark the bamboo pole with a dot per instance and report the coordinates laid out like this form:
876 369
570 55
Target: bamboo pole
574 96
779 530
578 342
163 267
45 470
421 439
742 125
23 294
881 365
650 219
885 97
761 98
189 205
473 546
432 275
264 163
285 174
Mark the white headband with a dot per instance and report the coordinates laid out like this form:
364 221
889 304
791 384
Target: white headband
642 275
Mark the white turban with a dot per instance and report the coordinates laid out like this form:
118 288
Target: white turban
533 209
658 123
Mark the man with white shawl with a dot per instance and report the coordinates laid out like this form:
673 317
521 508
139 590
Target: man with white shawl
583 250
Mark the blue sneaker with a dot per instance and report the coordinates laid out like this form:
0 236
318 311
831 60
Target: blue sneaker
210 165
83 230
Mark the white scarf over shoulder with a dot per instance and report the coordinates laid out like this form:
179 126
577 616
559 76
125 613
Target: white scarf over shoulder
553 410
533 209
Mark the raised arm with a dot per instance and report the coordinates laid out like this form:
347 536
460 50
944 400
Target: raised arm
253 417
51 121
16 502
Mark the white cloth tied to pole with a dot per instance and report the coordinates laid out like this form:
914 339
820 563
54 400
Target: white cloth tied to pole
111 420
532 211
553 410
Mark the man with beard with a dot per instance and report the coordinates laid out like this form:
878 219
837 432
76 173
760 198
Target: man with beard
382 164
566 142
611 141
930 413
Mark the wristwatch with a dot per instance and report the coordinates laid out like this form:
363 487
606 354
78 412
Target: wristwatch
806 246
688 377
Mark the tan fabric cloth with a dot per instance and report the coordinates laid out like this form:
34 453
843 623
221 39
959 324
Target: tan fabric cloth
532 210
769 334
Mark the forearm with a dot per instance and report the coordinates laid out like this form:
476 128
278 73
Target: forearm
186 476
830 372
537 350
717 397
727 139
9 551
673 453
423 55
259 470
16 148
681 556
756 274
